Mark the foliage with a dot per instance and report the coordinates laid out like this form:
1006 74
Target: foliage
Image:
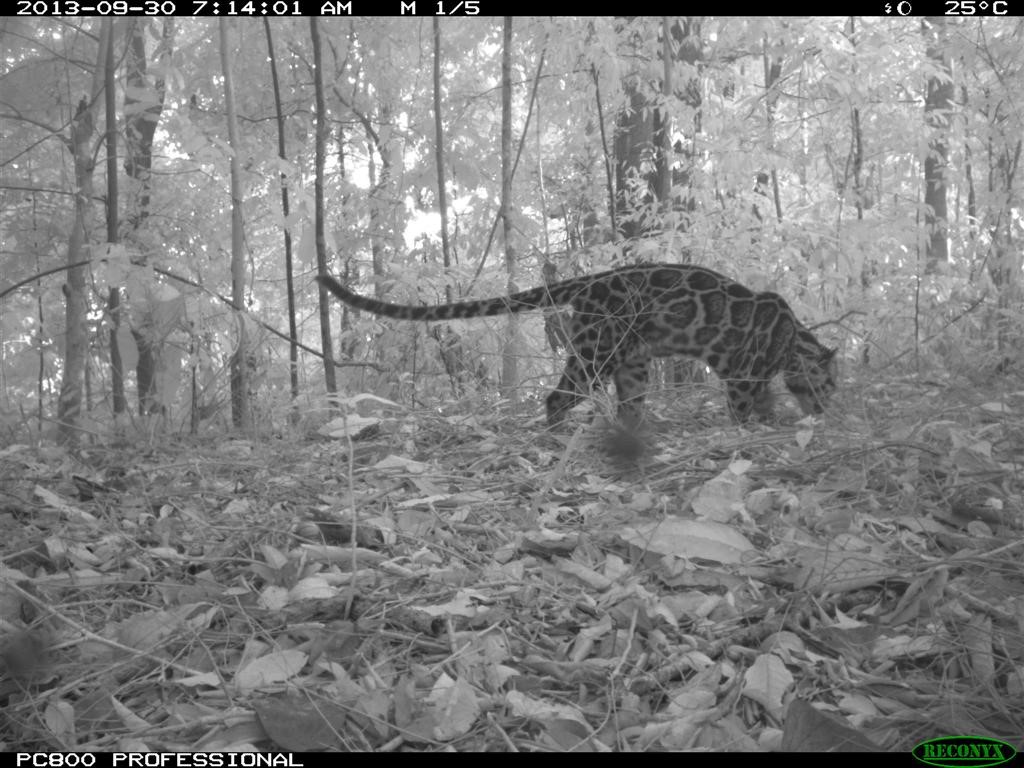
835 248
450 576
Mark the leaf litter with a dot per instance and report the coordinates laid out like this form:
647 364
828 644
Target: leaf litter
434 586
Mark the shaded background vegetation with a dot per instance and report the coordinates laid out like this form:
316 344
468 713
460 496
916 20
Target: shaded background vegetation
156 172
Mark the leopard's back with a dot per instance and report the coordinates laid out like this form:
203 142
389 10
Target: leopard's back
624 317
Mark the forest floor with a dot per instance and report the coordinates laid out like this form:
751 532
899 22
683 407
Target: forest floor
475 582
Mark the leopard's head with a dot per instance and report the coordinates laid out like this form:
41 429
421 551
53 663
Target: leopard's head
812 375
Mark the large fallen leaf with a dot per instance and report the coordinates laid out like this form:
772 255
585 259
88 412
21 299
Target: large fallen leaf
271 669
523 705
845 565
273 598
766 680
311 588
59 717
298 725
72 512
808 730
721 498
146 631
689 538
907 647
465 602
131 720
455 706
401 463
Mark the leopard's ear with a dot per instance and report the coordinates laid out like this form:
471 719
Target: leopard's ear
829 353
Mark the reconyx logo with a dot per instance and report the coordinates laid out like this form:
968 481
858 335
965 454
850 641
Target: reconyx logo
963 752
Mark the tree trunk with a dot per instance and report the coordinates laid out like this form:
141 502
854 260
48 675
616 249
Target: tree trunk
117 397
76 347
289 272
938 103
318 186
241 412
76 339
141 118
442 197
772 72
509 352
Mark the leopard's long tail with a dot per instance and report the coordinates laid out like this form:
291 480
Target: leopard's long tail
517 302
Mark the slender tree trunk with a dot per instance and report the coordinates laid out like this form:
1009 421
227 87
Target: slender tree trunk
375 218
972 200
76 345
241 412
509 364
1006 254
289 272
688 32
449 342
349 342
663 126
40 389
856 133
938 103
772 72
608 156
326 344
442 197
117 397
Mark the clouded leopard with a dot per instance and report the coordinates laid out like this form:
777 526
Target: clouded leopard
624 317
